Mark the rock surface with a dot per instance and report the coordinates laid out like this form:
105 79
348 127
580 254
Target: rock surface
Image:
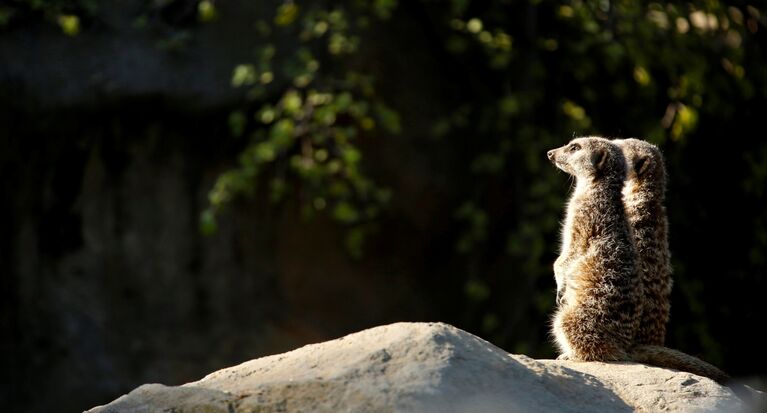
427 367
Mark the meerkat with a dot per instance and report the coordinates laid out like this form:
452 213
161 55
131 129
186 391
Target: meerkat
599 292
599 286
643 196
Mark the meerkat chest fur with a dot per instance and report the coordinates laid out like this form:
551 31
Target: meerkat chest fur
572 245
597 230
598 315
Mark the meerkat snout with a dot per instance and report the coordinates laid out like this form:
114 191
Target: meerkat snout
550 155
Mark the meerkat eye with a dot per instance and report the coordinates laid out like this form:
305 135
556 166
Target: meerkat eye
573 147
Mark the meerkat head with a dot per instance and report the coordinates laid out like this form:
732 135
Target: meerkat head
644 163
589 157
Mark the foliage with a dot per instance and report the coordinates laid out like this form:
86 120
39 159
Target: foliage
306 134
67 14
72 15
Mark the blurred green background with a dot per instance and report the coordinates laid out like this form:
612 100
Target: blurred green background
190 184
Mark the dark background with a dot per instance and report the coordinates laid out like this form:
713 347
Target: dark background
147 237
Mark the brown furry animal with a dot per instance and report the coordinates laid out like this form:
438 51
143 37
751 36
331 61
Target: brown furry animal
643 196
596 271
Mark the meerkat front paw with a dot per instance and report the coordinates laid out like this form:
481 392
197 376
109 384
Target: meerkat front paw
563 357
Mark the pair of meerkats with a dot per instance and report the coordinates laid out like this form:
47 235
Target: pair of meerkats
614 273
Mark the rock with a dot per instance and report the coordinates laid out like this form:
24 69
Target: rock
427 367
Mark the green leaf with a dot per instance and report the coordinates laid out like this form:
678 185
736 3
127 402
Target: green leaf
282 133
292 102
70 24
476 290
384 8
243 75
355 239
325 115
345 213
237 122
389 119
343 101
6 14
351 155
286 14
508 105
206 11
208 225
265 152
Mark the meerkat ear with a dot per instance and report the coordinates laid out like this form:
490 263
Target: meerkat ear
640 165
598 158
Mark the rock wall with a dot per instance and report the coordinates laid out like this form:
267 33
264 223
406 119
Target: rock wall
114 58
109 282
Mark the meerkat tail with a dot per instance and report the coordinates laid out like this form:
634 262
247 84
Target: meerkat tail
673 359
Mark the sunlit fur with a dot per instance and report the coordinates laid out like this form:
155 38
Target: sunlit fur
596 273
643 196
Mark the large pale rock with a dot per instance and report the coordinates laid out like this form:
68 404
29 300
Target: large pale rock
427 367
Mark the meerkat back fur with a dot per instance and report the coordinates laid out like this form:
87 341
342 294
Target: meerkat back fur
599 292
643 196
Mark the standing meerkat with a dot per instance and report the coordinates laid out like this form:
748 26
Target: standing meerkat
643 197
598 290
598 285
